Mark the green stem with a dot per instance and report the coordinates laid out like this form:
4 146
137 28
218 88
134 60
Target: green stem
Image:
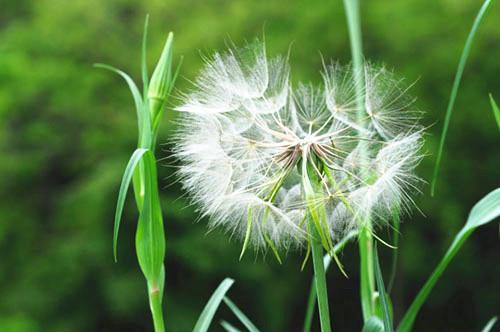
319 278
311 301
367 279
156 309
365 237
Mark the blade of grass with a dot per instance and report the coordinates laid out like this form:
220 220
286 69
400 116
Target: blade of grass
382 294
127 177
486 210
212 305
133 89
490 324
228 327
454 90
241 316
496 111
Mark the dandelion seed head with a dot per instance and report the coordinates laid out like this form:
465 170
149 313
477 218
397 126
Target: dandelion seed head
253 148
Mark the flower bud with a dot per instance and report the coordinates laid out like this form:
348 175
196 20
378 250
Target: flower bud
161 81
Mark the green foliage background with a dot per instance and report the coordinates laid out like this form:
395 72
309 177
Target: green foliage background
67 129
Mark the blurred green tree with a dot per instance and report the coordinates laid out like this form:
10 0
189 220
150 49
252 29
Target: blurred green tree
65 135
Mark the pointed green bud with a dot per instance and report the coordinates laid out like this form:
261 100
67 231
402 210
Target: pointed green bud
161 82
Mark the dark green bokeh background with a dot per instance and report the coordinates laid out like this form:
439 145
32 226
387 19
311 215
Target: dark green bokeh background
67 130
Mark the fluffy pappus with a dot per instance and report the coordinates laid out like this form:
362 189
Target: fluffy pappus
259 157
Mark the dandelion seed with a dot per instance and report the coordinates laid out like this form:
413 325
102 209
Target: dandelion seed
259 156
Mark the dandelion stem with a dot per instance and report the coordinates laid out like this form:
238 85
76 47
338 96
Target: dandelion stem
319 278
365 236
311 301
366 272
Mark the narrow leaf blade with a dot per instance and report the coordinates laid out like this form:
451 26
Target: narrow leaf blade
386 315
454 89
127 177
212 305
496 111
133 89
241 316
486 210
228 327
489 326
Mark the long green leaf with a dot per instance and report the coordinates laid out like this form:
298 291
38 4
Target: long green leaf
127 177
486 210
212 305
228 327
496 111
241 316
133 89
490 324
386 315
454 90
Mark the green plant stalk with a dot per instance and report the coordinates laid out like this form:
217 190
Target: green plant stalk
142 171
367 279
155 300
366 273
319 277
311 300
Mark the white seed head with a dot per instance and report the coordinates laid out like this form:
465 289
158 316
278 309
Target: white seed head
257 155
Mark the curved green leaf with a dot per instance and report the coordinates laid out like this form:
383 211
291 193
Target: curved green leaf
228 327
490 324
212 305
486 210
454 89
496 111
127 177
133 89
241 316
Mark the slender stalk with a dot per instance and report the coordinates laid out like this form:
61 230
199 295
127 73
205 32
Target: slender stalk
367 273
156 310
365 237
311 300
319 278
